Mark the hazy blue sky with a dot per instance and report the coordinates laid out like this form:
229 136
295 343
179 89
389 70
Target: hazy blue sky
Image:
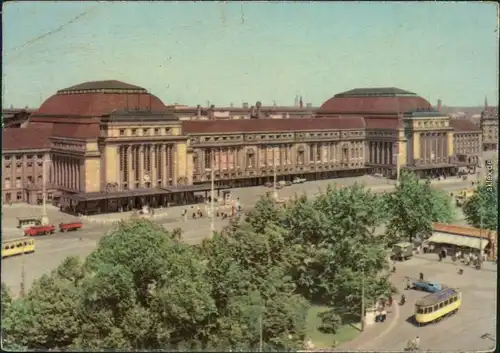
192 53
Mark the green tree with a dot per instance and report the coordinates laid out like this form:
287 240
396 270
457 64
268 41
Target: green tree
412 208
481 210
248 271
145 290
6 298
46 317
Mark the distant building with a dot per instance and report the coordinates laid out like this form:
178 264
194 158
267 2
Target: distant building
489 127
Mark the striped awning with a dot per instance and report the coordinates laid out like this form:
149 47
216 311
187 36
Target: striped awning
459 240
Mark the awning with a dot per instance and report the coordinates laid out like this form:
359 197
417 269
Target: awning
459 240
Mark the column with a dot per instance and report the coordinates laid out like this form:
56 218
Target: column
424 152
130 167
391 153
141 166
164 177
82 175
77 165
73 174
153 166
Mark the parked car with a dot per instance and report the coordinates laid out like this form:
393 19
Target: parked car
299 181
39 230
431 287
65 227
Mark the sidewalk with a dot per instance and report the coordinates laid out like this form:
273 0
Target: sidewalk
373 332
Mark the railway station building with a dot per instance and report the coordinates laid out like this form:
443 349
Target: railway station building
106 146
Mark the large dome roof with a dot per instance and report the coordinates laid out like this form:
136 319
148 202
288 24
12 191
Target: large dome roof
387 100
98 98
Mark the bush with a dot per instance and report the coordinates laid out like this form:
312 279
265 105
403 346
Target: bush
330 322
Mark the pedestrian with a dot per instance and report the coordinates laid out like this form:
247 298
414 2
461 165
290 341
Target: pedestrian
408 284
421 276
389 301
383 315
417 343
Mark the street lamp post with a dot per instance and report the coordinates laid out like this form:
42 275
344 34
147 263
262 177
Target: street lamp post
275 193
44 219
212 193
398 167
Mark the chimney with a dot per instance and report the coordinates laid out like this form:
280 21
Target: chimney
252 112
245 105
231 105
198 111
301 104
258 105
211 112
439 105
309 105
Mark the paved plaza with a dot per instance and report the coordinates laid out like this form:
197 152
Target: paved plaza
461 332
52 249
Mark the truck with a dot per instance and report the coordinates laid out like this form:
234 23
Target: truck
65 227
39 230
402 251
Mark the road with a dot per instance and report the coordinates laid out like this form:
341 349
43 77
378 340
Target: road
52 249
461 332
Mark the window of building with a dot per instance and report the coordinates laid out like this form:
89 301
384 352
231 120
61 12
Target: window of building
156 131
145 132
134 132
311 153
122 132
18 183
49 196
39 156
8 197
7 183
251 161
29 179
208 159
19 196
19 157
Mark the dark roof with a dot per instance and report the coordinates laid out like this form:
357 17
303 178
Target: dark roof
434 298
271 125
36 137
426 114
384 123
98 104
362 105
82 131
375 91
460 125
102 85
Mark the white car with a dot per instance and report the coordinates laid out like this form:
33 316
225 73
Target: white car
298 181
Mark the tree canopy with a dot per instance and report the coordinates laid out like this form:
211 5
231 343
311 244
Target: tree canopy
413 207
142 288
481 210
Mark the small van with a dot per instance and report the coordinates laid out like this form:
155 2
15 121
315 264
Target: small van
402 251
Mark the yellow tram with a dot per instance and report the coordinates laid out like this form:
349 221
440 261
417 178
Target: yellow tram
17 246
436 306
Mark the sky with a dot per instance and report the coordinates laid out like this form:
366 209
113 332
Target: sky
230 53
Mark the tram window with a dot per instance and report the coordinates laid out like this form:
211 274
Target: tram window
19 245
25 243
436 307
441 305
